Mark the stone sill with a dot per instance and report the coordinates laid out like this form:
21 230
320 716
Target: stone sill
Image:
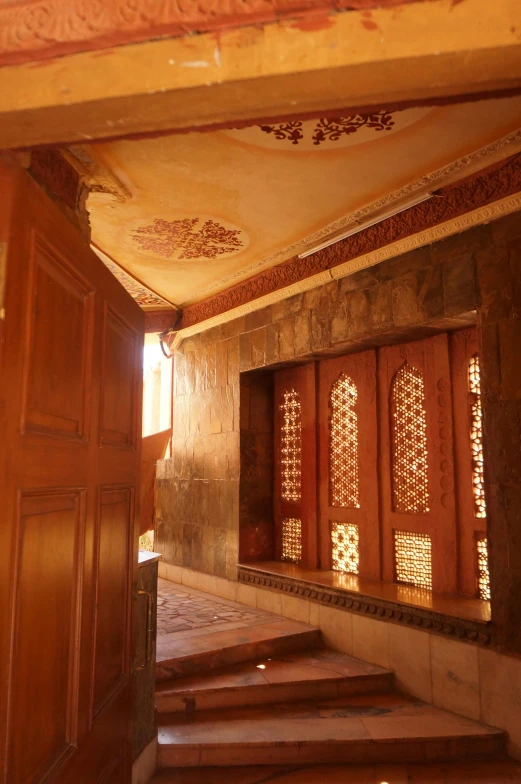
464 619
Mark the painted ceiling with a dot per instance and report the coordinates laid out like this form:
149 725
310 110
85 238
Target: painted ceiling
197 213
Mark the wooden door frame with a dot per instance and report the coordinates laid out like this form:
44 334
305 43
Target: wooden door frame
414 54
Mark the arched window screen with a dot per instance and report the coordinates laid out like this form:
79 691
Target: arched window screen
343 444
409 442
291 446
476 437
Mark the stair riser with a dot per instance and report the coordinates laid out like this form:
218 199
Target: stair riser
272 693
323 753
238 654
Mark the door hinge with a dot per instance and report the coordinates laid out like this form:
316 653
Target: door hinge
3 268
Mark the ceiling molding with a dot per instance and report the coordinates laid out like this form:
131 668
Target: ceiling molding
463 167
457 225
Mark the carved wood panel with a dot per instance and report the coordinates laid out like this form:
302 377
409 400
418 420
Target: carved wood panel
295 465
472 529
48 580
113 550
119 414
427 438
59 345
348 477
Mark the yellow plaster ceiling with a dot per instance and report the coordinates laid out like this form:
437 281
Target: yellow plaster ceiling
203 211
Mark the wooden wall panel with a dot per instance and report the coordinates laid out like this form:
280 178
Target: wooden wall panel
59 346
302 381
43 692
114 547
118 425
431 357
361 369
464 345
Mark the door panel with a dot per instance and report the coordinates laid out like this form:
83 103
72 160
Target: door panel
50 533
295 466
419 528
348 476
112 621
70 348
118 408
60 349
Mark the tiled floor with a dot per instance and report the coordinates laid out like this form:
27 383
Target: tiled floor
186 612
456 773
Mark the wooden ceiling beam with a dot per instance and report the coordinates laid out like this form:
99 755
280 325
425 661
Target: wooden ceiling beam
389 56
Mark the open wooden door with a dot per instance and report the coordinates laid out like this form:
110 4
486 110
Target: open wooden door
70 399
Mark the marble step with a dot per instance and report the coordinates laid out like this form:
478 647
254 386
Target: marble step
189 655
375 728
318 674
468 772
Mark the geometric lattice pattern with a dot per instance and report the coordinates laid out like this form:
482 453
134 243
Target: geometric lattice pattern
413 559
343 445
409 432
291 540
291 446
483 573
476 437
345 552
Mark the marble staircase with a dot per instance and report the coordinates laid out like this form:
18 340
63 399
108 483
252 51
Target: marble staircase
268 694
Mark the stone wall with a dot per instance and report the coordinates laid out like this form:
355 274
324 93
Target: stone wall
412 296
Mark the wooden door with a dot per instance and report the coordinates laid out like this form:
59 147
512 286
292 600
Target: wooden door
295 499
417 465
347 474
70 399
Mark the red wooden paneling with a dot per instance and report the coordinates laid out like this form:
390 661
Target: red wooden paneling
360 369
301 381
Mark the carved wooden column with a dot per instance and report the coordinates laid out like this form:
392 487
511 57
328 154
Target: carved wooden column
499 280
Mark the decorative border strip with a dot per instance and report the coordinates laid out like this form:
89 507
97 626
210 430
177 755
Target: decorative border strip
475 218
476 632
46 28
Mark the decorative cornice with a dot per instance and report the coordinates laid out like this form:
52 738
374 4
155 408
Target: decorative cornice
477 217
450 203
479 633
46 28
476 161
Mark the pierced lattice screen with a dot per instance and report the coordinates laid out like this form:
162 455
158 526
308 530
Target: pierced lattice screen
291 539
345 553
291 446
409 441
483 573
343 444
413 559
476 437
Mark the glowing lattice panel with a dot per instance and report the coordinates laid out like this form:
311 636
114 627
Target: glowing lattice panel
476 437
343 444
483 573
345 551
409 439
291 446
413 559
291 539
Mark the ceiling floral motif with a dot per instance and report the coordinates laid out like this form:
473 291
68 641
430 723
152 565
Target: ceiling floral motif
188 238
330 130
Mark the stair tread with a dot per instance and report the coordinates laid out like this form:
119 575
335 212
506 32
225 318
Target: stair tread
316 665
495 772
174 648
382 717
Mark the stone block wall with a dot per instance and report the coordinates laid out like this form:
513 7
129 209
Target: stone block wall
201 508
